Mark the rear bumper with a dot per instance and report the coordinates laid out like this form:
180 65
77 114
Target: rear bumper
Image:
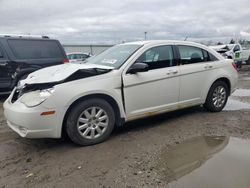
29 123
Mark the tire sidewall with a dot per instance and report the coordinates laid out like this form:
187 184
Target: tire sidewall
71 124
209 101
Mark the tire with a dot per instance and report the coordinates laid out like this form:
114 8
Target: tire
84 127
210 103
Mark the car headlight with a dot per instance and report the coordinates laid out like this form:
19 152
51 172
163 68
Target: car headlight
34 98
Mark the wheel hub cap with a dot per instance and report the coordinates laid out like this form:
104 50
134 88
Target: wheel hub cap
219 96
92 122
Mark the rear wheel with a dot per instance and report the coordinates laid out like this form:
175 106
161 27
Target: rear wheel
90 122
217 97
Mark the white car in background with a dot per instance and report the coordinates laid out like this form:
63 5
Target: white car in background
233 51
77 56
244 54
126 82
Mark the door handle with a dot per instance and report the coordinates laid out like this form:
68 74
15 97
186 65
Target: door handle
3 64
172 72
175 72
208 66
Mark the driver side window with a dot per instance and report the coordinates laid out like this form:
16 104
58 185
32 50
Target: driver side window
158 57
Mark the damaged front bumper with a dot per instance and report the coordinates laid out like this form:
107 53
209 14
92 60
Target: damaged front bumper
30 123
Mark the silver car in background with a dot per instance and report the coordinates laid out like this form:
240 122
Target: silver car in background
78 56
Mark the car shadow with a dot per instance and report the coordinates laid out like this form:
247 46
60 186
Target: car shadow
156 120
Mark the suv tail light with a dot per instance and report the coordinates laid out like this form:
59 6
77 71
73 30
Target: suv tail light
66 61
234 65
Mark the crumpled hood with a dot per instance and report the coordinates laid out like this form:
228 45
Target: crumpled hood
59 72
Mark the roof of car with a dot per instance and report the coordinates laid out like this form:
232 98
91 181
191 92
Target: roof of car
77 53
150 42
23 36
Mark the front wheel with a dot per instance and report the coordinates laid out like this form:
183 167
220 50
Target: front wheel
217 97
90 122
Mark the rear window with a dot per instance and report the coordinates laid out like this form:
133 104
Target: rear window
190 54
212 57
35 49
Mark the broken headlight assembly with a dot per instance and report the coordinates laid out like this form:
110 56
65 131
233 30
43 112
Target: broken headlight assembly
34 98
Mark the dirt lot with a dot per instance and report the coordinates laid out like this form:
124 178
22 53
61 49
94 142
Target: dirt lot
130 158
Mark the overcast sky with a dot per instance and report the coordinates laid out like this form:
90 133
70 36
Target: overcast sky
112 21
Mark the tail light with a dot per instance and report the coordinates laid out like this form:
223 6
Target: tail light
66 61
234 65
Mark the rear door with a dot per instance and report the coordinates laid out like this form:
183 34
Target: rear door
5 72
196 68
156 89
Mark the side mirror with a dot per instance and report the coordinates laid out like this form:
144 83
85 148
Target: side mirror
138 67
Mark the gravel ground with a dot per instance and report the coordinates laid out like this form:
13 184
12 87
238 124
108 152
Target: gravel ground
128 159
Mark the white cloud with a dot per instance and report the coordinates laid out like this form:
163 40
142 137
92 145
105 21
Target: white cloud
113 21
245 34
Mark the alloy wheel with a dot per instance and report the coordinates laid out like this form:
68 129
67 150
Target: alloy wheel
92 122
219 96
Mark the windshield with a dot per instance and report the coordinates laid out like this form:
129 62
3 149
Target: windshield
114 56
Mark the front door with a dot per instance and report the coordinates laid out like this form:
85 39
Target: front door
156 89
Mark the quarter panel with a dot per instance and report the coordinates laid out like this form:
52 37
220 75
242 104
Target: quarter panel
224 70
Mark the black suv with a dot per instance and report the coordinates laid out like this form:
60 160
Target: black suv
21 55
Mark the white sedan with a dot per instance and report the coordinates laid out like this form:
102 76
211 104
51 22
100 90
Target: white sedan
126 82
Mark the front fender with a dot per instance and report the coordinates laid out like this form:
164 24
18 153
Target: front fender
67 93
